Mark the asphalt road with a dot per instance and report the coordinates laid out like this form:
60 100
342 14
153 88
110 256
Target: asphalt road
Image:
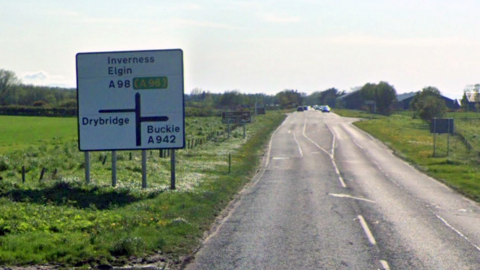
332 197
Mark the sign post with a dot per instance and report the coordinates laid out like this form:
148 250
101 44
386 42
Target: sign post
130 100
114 168
87 167
236 117
442 126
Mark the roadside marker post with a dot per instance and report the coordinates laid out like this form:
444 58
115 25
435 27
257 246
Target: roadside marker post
130 100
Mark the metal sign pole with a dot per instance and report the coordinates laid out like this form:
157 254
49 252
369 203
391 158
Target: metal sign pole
87 167
244 131
448 137
144 169
172 170
434 134
114 168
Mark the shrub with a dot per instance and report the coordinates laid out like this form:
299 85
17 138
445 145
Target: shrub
40 103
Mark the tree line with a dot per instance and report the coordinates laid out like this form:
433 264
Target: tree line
18 98
14 93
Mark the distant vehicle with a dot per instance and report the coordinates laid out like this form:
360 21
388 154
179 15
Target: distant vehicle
325 108
305 108
300 109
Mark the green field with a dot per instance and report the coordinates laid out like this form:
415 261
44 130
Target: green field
64 221
20 132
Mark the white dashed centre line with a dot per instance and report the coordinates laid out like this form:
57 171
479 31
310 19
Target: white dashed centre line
385 265
367 231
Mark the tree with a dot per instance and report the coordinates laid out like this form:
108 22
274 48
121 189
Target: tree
329 96
429 103
231 99
289 98
465 102
383 94
8 80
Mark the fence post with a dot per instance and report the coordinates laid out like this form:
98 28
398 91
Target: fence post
229 162
41 174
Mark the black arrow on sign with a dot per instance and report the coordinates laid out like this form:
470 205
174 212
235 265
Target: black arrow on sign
138 118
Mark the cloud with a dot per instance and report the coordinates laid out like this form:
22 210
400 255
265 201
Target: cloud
281 19
35 77
205 24
408 41
43 78
191 6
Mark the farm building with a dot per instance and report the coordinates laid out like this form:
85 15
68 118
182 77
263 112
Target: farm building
473 96
404 100
351 100
354 101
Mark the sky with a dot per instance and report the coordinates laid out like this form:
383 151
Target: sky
255 46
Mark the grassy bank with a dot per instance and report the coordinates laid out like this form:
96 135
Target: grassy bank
411 140
64 221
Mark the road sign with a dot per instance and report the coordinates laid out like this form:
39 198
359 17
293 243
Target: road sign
236 117
442 125
261 110
130 100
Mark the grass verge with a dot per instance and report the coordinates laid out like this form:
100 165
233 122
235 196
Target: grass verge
411 140
64 221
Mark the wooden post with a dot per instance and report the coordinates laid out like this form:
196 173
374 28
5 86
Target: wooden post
229 162
41 174
23 174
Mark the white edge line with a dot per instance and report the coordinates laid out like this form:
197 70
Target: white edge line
385 265
260 176
270 145
358 145
367 231
334 139
319 147
298 145
457 231
340 178
332 157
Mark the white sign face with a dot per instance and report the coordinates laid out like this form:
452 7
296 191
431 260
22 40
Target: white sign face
130 100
